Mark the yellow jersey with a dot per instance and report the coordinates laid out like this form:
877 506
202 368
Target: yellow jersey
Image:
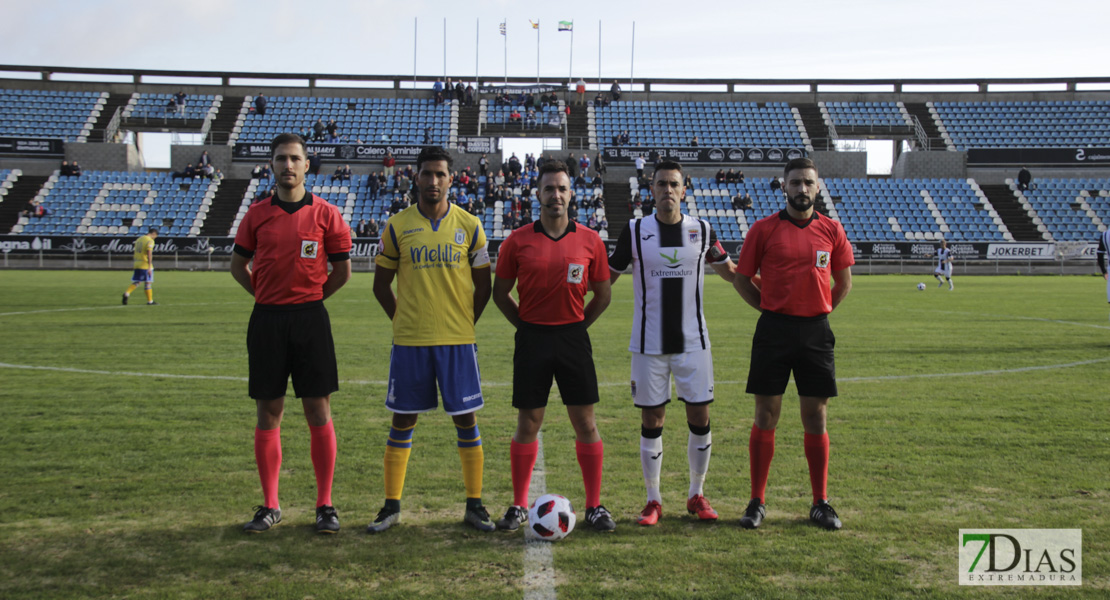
435 291
143 247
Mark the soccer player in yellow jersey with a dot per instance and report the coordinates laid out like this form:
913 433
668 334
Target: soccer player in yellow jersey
437 252
144 266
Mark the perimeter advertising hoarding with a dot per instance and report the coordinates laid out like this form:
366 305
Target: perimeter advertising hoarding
617 155
347 153
1075 157
32 146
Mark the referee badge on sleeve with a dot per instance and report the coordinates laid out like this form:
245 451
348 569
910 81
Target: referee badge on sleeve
309 248
822 259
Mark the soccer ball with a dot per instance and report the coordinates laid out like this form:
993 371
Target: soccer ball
921 287
550 518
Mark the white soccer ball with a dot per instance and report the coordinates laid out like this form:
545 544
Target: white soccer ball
921 287
550 518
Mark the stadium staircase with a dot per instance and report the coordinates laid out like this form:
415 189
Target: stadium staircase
617 196
468 120
114 102
936 140
24 189
225 119
229 197
578 130
814 123
1011 212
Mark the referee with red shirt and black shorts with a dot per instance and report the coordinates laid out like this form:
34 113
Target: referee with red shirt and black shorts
553 262
282 251
794 252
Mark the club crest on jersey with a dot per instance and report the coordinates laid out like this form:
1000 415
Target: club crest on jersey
695 235
822 259
460 237
574 273
309 248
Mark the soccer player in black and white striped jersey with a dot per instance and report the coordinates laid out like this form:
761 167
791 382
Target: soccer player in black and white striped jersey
1102 257
944 265
668 252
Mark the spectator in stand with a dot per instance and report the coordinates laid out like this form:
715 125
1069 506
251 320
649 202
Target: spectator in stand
689 182
572 166
372 227
314 162
694 141
342 173
437 88
260 104
616 139
373 185
171 105
204 159
179 99
360 229
460 92
207 171
584 164
742 202
449 90
615 90
256 172
469 95
580 89
599 163
530 119
640 166
740 176
483 165
514 116
389 163
427 135
318 130
776 184
596 182
720 176
730 177
333 128
217 177
626 138
190 171
1025 178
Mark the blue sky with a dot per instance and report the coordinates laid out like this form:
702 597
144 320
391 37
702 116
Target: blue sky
801 39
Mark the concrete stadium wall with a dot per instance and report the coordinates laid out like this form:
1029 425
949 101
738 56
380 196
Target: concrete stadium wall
931 164
105 157
840 164
220 154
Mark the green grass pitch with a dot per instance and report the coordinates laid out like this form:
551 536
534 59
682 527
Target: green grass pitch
126 463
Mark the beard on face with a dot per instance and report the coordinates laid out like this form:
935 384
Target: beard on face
801 202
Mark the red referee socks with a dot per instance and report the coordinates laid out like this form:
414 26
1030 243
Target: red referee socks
761 449
522 459
267 453
590 458
322 448
817 455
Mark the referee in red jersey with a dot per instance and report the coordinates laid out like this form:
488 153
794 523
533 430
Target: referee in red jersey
794 252
553 262
282 251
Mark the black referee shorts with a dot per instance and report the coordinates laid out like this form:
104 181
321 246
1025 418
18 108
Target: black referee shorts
783 344
291 340
562 352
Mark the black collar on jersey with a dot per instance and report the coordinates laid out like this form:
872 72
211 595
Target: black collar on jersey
292 207
785 216
537 226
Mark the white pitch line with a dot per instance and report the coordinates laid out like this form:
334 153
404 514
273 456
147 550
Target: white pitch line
1023 318
112 307
539 568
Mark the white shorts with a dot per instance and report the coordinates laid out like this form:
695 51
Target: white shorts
946 270
651 378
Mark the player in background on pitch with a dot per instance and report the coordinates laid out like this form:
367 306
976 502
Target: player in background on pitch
144 266
553 263
437 252
281 256
795 251
944 265
1102 257
668 252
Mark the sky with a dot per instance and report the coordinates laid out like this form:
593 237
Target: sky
849 39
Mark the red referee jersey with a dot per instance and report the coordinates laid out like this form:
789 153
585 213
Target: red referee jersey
291 244
553 275
795 262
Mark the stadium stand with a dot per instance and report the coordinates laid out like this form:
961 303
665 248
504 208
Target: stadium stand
120 203
49 114
865 115
8 178
1034 124
154 107
371 120
1067 209
713 123
550 116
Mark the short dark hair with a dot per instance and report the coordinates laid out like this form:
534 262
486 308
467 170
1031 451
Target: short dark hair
152 230
666 165
798 163
553 166
432 153
287 138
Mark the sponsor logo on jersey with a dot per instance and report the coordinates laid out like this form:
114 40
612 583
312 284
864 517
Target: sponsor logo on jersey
309 248
822 259
440 255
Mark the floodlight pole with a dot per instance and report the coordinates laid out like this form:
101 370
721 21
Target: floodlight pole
632 61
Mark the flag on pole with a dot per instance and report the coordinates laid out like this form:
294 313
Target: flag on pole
502 27
566 25
535 24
